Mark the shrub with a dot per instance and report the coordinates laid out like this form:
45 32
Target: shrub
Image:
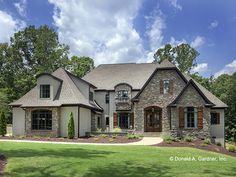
207 141
99 130
114 136
104 135
218 144
133 136
117 130
188 138
168 137
3 124
232 148
71 127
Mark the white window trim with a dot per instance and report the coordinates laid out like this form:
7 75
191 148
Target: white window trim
50 91
185 118
164 91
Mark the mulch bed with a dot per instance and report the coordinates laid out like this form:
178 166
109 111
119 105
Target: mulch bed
3 162
95 139
199 144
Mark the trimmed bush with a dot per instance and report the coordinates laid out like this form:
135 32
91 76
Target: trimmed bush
188 138
117 130
133 136
218 144
3 124
207 141
99 130
71 127
232 148
167 137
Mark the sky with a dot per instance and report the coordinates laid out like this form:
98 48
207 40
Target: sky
125 31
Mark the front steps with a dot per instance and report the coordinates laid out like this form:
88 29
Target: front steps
152 134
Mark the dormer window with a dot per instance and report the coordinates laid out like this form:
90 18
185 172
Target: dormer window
166 84
44 91
122 95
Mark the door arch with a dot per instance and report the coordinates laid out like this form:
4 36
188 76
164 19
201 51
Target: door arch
153 119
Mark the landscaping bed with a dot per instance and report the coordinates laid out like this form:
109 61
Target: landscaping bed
3 162
93 139
199 144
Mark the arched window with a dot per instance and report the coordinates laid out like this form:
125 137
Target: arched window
42 120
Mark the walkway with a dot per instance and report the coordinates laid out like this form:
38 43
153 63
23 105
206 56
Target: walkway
147 141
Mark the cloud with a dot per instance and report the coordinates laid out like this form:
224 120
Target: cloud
21 7
175 4
103 30
9 26
200 68
197 42
175 42
213 24
228 69
155 26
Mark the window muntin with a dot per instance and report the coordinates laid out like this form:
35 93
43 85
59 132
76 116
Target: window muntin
123 120
107 98
166 86
122 95
190 114
215 118
44 91
42 120
90 96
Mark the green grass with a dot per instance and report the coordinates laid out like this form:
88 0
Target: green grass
51 160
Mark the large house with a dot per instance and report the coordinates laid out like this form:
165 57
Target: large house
148 97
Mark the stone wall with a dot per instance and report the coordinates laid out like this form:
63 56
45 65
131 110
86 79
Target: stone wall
49 133
123 104
151 97
190 98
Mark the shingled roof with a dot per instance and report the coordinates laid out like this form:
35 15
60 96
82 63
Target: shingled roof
107 76
68 94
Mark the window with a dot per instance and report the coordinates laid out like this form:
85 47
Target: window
44 91
98 122
42 120
166 84
107 98
215 118
123 120
107 121
190 114
91 96
122 95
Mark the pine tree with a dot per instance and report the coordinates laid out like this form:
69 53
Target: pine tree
71 127
3 124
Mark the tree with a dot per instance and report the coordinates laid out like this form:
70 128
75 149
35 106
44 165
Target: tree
3 124
205 82
183 56
71 127
80 66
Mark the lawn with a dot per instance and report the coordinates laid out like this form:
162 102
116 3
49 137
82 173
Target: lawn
51 160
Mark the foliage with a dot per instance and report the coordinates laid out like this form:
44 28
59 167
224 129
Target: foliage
207 141
104 135
188 138
3 124
99 130
133 136
205 82
71 127
80 66
116 130
218 143
183 56
232 148
167 137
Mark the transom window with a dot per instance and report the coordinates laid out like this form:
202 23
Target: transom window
190 114
166 84
44 91
123 120
215 118
42 120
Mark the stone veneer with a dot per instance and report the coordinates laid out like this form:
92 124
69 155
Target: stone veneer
49 133
151 97
190 98
123 105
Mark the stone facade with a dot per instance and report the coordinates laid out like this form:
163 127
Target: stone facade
151 97
190 98
123 105
49 133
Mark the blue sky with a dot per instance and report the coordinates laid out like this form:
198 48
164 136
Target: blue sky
130 31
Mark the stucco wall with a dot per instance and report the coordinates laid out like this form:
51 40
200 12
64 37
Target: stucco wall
85 121
217 131
65 113
151 97
54 84
18 126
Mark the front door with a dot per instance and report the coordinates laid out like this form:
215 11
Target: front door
152 119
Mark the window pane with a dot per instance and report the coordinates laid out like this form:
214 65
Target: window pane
42 120
166 86
44 91
123 120
190 117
